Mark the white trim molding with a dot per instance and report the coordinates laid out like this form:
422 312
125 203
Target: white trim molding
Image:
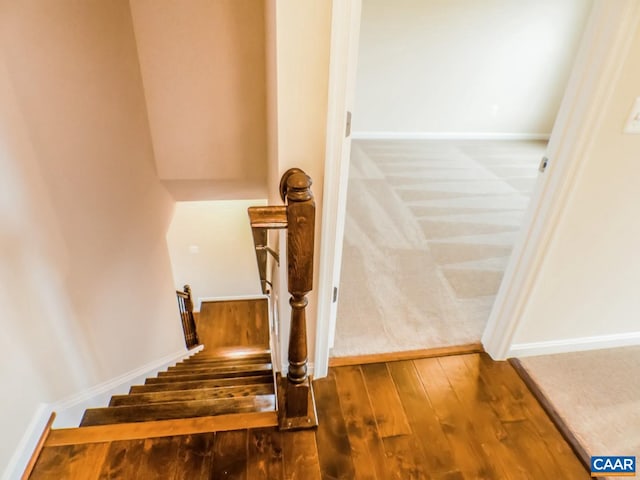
597 67
574 344
69 410
448 136
229 298
345 34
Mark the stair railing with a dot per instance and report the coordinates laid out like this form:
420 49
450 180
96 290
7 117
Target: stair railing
262 220
295 392
185 306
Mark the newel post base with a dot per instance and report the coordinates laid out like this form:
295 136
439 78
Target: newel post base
296 404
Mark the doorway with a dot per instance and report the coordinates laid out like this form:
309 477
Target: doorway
436 201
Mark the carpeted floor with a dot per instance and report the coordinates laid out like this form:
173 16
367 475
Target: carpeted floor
429 230
598 395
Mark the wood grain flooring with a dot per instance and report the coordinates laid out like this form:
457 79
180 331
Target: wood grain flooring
234 323
454 418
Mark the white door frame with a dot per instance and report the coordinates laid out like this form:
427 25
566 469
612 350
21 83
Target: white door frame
603 49
604 46
345 34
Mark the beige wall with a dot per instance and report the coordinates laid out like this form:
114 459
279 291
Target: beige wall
212 250
86 280
465 65
203 68
588 284
298 41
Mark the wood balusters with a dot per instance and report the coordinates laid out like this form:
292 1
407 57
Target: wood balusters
185 306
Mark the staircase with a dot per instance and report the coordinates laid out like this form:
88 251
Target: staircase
233 376
229 385
210 383
222 392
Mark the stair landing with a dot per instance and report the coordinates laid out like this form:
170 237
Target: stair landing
234 323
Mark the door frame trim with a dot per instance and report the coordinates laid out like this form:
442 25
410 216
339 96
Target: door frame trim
605 44
345 34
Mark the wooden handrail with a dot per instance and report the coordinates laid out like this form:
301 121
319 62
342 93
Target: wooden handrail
298 217
262 219
268 217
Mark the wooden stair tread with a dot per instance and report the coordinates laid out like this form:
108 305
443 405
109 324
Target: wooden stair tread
160 428
203 368
175 410
225 369
266 377
221 362
207 376
193 394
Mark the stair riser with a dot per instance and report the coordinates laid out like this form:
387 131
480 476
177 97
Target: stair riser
224 382
232 352
229 369
223 363
189 395
174 410
200 370
207 376
212 357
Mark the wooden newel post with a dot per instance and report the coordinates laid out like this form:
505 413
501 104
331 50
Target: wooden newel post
193 339
301 214
185 306
188 302
295 189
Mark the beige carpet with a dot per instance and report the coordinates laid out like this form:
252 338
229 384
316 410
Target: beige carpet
598 395
429 230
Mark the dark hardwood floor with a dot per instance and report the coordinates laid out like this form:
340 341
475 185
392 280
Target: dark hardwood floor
237 323
455 417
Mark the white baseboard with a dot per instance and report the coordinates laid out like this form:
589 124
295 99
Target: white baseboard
229 298
69 410
448 136
28 442
574 344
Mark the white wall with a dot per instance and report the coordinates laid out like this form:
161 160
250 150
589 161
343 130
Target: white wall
203 68
212 249
465 65
588 283
298 41
85 275
37 321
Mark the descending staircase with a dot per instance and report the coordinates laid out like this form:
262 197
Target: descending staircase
209 383
236 377
228 386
